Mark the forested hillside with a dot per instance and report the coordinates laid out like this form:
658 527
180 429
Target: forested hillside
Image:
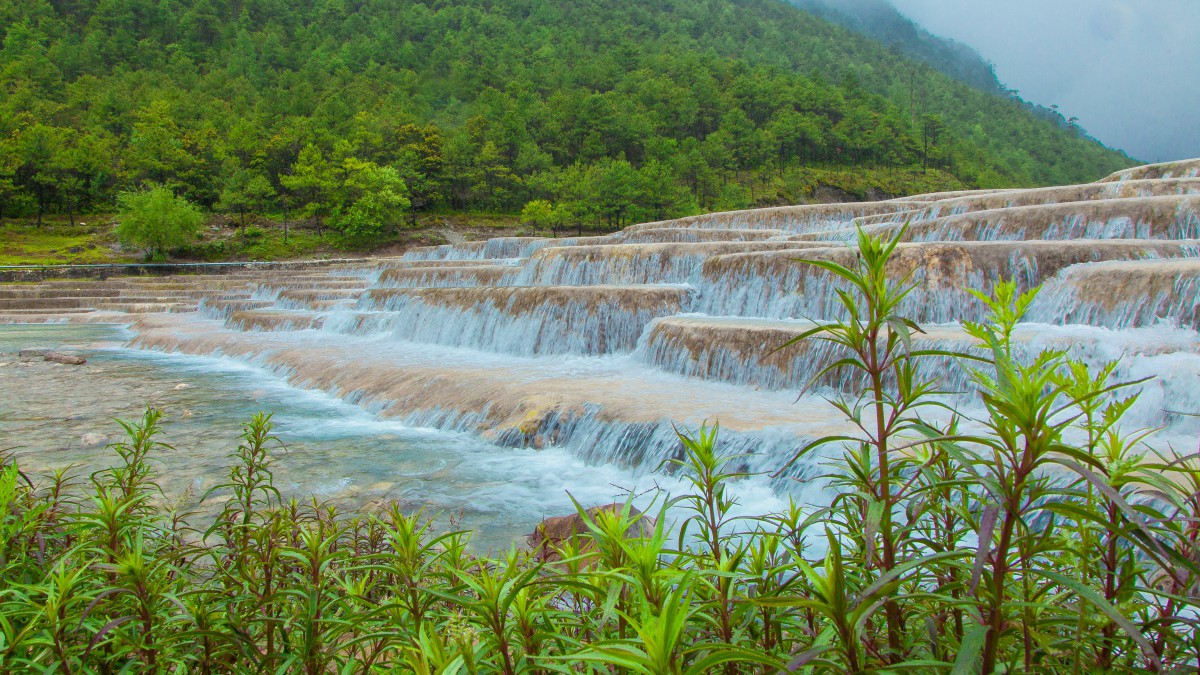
360 114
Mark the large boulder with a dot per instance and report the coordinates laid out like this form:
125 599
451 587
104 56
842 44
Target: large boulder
552 533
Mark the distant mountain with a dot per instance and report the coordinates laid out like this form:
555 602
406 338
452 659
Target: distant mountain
601 110
879 19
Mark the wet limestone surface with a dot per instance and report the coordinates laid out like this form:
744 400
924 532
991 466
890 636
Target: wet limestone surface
595 346
57 416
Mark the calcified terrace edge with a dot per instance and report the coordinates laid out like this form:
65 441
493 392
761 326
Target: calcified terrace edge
704 298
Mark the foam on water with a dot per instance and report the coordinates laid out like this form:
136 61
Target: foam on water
335 450
445 368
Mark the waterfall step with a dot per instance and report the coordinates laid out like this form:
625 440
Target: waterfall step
668 235
10 313
43 303
302 296
1124 293
274 319
145 307
656 263
448 276
787 218
223 308
513 400
748 351
526 319
1182 167
1127 190
1165 217
14 293
492 249
930 197
399 263
774 284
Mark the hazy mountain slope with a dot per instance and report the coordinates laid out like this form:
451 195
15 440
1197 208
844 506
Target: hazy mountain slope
879 19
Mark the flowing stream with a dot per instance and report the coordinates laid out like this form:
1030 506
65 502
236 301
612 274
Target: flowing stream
485 381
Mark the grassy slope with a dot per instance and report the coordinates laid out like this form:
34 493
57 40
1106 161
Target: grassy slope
60 243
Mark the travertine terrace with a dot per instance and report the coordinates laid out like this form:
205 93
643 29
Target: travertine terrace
603 343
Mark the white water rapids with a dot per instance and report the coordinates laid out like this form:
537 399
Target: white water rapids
492 378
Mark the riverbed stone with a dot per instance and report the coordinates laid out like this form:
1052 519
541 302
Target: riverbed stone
65 359
552 533
91 439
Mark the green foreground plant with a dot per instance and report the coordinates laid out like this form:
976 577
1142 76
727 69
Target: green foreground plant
1036 536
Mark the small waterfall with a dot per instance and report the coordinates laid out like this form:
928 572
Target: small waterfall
319 298
448 276
1123 294
796 219
1163 170
776 285
1169 217
273 320
1056 195
658 263
222 308
745 352
491 249
527 320
668 235
467 251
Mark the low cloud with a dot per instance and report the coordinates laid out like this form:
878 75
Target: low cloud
1128 69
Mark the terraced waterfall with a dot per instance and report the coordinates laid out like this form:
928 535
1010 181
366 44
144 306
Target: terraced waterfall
598 346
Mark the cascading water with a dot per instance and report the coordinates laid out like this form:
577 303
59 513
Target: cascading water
593 350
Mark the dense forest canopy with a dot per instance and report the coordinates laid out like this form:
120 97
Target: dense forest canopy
350 113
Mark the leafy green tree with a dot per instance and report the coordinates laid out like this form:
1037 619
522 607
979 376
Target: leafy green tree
660 192
420 164
245 192
37 146
156 220
371 200
157 150
616 189
539 213
312 181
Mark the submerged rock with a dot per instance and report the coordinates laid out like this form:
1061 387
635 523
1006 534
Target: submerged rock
65 359
91 439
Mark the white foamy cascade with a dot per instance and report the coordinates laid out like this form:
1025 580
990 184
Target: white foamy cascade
601 344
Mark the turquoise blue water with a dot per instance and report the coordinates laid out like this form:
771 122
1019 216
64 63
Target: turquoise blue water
54 416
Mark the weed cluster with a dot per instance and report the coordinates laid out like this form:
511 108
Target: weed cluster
1037 536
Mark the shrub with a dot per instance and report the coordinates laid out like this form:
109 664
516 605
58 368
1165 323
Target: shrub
156 220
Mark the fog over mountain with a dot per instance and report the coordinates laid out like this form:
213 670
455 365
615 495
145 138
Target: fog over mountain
1128 69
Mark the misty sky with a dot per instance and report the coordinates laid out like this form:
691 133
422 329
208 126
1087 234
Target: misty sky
1128 69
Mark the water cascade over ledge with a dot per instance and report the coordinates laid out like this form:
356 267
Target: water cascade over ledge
602 346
